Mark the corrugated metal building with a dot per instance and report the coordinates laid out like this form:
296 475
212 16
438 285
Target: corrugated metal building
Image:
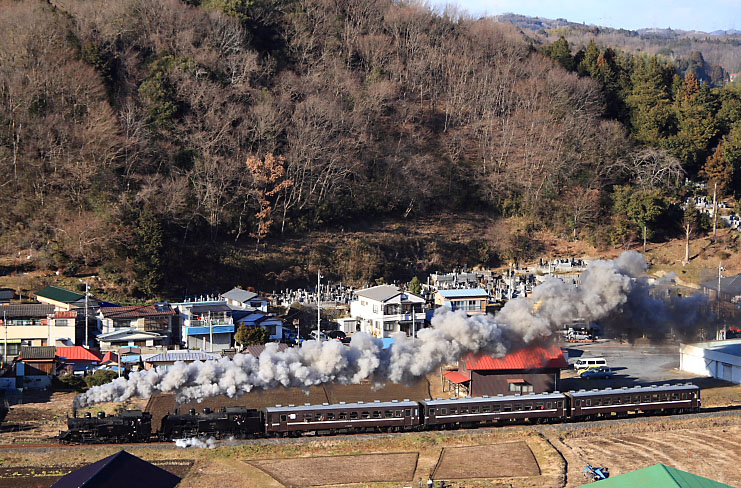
535 369
718 359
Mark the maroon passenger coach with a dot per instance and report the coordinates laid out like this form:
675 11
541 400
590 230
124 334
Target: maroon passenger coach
680 398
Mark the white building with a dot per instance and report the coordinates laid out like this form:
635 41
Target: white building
245 300
718 359
384 310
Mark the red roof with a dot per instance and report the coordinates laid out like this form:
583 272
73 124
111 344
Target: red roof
110 356
534 357
136 311
456 377
76 353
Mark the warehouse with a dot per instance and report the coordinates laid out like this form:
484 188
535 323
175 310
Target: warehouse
718 359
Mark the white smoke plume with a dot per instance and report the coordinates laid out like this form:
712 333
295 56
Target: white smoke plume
607 290
209 443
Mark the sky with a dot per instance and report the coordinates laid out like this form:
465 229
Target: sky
702 15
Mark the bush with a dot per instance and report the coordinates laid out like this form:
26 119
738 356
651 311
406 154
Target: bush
100 377
70 382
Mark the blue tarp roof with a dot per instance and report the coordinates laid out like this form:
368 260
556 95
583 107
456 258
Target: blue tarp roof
387 342
463 293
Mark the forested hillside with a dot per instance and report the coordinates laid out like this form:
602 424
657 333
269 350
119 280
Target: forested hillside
134 133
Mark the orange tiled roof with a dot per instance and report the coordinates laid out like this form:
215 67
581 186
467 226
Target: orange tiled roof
534 357
76 353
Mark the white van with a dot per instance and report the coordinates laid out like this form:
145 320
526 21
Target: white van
583 364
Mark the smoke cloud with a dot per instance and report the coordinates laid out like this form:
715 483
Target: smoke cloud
612 290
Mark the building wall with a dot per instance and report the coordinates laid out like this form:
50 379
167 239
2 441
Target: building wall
38 334
706 362
202 342
495 382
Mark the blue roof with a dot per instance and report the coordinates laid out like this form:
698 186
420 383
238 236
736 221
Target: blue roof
466 292
388 342
206 330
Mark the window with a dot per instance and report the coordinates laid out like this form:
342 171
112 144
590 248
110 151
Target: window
495 408
342 416
474 409
617 400
655 397
318 417
548 405
408 412
527 406
559 403
432 411
353 415
376 414
397 413
588 403
684 396
388 413
507 407
520 388
606 401
283 418
485 409
307 417
443 411
365 415
388 326
539 406
61 322
330 416
464 410
453 411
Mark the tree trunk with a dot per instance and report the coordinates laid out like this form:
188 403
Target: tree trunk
644 237
715 208
687 229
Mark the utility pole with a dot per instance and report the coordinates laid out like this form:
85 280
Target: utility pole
5 352
717 298
211 334
644 237
318 303
87 332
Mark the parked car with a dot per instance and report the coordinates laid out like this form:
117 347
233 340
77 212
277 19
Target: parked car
603 372
322 336
337 334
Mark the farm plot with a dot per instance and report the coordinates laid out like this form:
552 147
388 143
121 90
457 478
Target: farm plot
508 460
337 470
45 476
713 452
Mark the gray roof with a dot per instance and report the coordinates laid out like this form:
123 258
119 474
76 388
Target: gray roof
27 310
335 406
636 389
730 285
258 349
38 352
182 356
499 398
6 294
212 307
239 295
379 293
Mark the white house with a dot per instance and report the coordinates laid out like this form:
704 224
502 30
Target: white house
384 310
245 300
470 300
207 325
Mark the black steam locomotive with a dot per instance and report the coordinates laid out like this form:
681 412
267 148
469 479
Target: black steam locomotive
393 416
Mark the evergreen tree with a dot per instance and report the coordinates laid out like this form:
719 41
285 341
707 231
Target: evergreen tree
251 336
561 52
650 102
148 246
414 286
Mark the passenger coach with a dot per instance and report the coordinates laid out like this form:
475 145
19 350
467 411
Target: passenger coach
464 412
376 416
681 398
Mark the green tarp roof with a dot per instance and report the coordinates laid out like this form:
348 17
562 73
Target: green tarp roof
658 476
59 294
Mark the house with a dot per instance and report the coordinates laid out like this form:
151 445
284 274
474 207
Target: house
118 471
130 337
206 325
273 324
34 324
658 476
35 367
244 299
256 350
77 358
64 300
470 300
6 296
153 321
384 310
533 369
165 360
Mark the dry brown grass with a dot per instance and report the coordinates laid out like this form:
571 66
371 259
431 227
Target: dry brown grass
507 460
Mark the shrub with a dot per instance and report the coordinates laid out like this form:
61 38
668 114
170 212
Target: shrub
100 377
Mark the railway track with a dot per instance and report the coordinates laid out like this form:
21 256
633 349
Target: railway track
716 412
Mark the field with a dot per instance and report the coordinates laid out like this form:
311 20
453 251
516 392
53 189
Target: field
512 459
335 470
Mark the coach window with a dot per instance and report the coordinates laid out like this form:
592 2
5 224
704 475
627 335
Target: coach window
353 415
626 399
547 404
342 416
588 403
330 416
655 397
507 407
495 408
432 411
684 396
577 403
365 415
443 411
464 410
606 401
388 413
307 417
485 409
376 414
318 417
559 404
617 401
474 409
453 411
675 396
408 412
528 406
597 402
283 418
539 406
397 413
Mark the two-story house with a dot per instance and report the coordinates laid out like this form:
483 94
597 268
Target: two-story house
470 300
136 325
384 310
34 324
206 325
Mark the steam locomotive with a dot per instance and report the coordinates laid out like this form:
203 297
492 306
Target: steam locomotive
393 416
